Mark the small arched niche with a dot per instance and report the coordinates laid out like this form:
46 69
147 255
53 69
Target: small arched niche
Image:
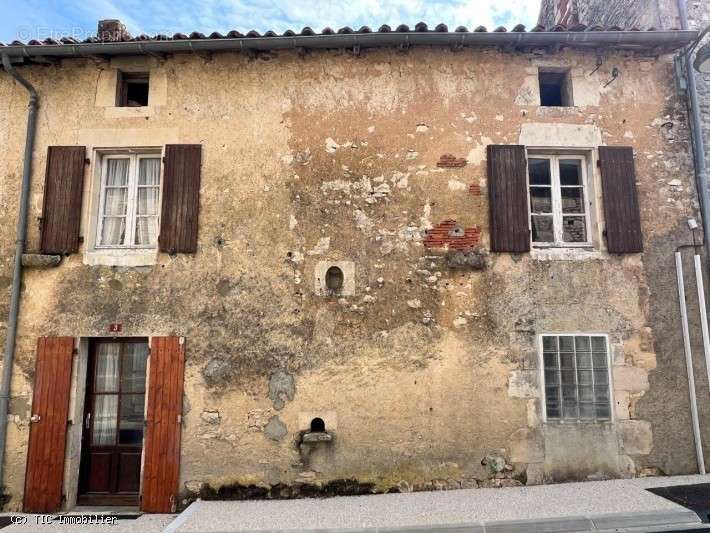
317 425
334 279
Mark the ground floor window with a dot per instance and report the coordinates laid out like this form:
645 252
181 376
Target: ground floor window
576 377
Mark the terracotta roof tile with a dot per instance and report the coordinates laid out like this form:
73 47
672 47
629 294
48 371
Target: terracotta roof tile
420 27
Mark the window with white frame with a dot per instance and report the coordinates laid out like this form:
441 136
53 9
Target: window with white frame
559 215
576 375
129 204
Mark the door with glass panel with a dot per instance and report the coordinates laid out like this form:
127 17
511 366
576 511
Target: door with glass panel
113 422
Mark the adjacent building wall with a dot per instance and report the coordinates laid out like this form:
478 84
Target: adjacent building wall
641 14
425 371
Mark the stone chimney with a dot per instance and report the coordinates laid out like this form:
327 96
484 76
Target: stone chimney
112 30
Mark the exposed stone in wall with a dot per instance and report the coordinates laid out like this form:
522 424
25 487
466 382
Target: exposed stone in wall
275 429
473 259
281 388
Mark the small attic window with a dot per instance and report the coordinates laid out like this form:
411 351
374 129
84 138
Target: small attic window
555 88
133 89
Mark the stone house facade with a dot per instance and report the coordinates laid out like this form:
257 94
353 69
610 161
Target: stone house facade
346 262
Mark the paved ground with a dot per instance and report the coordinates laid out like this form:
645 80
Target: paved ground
593 506
624 498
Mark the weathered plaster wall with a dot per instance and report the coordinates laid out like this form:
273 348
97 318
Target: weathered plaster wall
425 370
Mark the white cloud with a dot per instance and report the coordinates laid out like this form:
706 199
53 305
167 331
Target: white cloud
262 15
42 18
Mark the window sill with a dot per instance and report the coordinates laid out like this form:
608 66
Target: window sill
128 112
556 422
576 253
121 257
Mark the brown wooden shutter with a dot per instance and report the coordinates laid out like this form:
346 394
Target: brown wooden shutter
181 198
161 470
508 198
63 190
44 472
621 206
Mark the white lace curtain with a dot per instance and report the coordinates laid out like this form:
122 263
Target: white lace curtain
113 231
106 405
148 195
131 204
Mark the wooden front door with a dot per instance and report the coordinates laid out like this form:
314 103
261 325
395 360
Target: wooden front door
48 425
113 422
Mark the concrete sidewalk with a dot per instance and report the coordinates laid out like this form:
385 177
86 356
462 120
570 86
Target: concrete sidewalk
616 505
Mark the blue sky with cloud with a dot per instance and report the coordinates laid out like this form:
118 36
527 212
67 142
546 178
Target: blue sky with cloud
32 19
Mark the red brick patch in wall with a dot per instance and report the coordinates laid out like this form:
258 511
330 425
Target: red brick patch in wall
475 189
448 234
449 161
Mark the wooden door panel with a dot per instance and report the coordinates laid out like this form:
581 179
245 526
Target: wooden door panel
100 468
50 409
161 469
129 471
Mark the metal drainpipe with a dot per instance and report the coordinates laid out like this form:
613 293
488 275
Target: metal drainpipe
19 249
697 132
689 365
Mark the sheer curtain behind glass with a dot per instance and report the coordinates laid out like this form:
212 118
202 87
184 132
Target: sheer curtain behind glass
148 196
115 202
106 403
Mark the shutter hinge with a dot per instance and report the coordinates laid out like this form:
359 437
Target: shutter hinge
87 161
179 419
599 163
75 351
163 160
182 340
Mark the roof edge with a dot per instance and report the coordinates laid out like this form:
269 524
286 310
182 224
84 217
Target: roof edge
664 39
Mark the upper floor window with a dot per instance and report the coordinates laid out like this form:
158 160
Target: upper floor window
133 89
555 88
558 200
129 206
576 374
